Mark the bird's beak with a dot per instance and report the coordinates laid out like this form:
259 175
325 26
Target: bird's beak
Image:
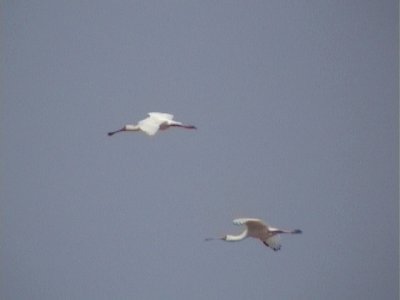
215 239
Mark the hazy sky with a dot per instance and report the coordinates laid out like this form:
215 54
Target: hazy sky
296 104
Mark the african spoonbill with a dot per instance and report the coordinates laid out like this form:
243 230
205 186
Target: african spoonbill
154 122
256 228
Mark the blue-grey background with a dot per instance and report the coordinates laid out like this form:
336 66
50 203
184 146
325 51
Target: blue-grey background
296 104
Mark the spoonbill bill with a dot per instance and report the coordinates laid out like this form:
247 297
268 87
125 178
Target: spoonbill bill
256 228
154 122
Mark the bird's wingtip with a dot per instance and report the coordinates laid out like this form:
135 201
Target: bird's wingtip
297 231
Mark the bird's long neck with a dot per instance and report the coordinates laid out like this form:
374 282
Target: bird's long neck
131 127
235 238
125 128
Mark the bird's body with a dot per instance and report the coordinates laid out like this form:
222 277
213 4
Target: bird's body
154 122
256 228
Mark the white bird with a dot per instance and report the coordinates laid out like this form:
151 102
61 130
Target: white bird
256 228
154 122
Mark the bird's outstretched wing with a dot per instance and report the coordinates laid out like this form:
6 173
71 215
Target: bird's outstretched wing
256 228
149 126
243 221
161 116
273 242
251 223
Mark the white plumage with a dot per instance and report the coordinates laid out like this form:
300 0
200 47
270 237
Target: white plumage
256 228
154 122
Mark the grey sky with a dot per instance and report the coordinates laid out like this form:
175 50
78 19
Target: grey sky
297 108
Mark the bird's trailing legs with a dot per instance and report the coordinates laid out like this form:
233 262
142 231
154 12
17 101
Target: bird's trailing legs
295 231
184 126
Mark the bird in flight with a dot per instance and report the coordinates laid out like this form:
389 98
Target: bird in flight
256 228
154 122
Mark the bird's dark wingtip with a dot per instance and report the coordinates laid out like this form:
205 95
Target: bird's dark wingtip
297 231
